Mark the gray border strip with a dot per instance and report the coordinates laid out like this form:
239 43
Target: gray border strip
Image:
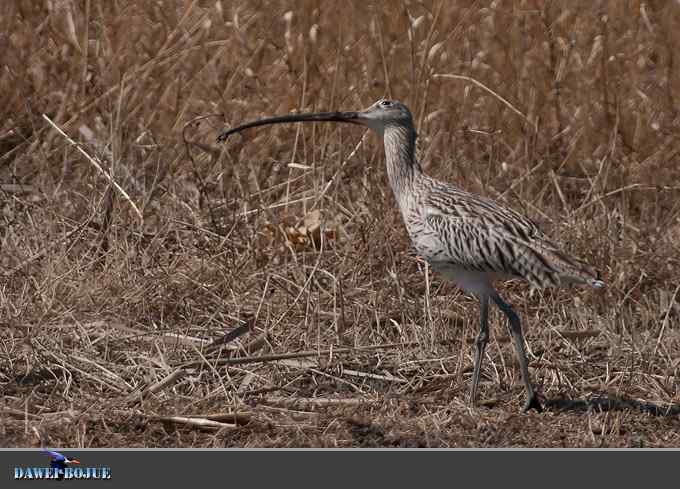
253 468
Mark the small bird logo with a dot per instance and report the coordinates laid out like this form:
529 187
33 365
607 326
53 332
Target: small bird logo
59 462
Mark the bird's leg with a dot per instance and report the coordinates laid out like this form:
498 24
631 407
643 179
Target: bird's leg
516 329
482 340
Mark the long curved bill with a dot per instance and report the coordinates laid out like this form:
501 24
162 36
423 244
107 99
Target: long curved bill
350 117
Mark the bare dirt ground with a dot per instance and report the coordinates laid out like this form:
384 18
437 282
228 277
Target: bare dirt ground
262 293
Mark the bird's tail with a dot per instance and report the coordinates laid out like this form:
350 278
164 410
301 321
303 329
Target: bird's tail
570 270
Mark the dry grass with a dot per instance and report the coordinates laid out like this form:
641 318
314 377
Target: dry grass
112 328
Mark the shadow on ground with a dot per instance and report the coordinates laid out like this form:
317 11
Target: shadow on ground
602 402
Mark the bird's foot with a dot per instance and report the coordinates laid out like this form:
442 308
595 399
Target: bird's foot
532 402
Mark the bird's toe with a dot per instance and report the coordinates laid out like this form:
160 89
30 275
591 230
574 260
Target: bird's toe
532 403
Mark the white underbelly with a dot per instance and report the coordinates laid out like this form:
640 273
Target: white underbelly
471 281
429 246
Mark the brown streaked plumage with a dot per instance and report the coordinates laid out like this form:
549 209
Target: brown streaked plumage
469 239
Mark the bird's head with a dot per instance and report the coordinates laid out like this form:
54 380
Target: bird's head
385 113
381 115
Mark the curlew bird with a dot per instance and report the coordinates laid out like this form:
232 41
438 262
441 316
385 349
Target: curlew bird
471 240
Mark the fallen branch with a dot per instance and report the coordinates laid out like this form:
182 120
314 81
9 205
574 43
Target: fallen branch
302 354
235 418
18 413
162 384
195 422
345 371
310 402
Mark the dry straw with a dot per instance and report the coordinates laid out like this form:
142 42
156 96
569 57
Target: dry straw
565 111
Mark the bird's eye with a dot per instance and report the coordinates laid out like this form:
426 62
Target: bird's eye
386 103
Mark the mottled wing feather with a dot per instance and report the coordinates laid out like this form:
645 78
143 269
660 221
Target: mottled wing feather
484 236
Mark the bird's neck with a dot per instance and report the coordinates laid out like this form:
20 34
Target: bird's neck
400 153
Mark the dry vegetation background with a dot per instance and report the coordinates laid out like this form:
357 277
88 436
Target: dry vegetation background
269 297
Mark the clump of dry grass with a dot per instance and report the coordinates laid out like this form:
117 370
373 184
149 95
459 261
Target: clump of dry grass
268 296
